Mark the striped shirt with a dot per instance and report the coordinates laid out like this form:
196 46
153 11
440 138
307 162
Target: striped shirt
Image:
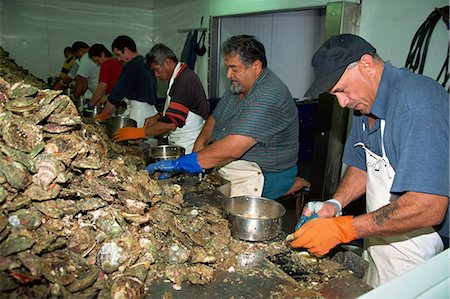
186 94
68 63
269 115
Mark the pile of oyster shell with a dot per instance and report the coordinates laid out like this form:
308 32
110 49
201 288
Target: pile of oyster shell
81 218
12 72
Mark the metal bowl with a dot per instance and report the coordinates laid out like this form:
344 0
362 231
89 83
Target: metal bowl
118 122
92 112
165 152
254 218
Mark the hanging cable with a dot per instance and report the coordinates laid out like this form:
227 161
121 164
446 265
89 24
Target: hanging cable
418 50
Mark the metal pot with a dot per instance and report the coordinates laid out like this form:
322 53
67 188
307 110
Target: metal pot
164 152
118 122
254 218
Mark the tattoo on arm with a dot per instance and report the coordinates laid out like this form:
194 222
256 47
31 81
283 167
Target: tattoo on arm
385 213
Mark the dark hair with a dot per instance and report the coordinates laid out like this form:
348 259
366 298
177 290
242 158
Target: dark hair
76 46
67 49
158 53
247 47
97 50
122 41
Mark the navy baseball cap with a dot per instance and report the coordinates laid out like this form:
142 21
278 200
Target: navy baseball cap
333 57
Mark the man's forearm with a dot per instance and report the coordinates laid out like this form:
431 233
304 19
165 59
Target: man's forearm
80 86
352 186
230 148
159 128
205 135
410 211
99 93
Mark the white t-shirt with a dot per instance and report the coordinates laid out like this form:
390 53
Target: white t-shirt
89 70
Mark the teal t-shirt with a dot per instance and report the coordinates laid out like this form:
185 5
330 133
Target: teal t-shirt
269 115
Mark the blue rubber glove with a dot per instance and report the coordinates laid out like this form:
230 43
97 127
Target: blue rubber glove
184 164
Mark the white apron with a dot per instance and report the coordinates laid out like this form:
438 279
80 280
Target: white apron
186 135
139 111
246 178
389 257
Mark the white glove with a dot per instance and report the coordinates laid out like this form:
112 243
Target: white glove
316 206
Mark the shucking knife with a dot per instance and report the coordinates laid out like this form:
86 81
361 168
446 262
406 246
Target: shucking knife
303 219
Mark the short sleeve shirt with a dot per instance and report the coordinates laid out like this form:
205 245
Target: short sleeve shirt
90 70
74 69
269 115
416 137
68 63
109 73
187 94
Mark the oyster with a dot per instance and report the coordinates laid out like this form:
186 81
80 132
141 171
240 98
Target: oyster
15 173
200 274
18 156
176 273
110 257
36 192
64 119
22 104
25 218
22 134
138 270
57 208
84 281
63 147
82 240
63 268
16 242
7 283
176 254
45 96
46 109
21 89
56 129
127 287
48 169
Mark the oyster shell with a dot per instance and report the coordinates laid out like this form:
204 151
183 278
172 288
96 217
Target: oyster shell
21 89
16 242
63 147
127 287
110 257
22 134
15 173
22 104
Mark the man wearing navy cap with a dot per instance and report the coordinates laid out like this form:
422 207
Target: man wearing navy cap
397 155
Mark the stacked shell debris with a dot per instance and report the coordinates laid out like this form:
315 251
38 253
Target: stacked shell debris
81 217
12 72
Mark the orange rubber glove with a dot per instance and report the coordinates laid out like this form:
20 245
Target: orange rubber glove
129 134
102 117
320 235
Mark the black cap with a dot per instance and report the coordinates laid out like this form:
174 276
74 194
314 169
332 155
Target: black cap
333 57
